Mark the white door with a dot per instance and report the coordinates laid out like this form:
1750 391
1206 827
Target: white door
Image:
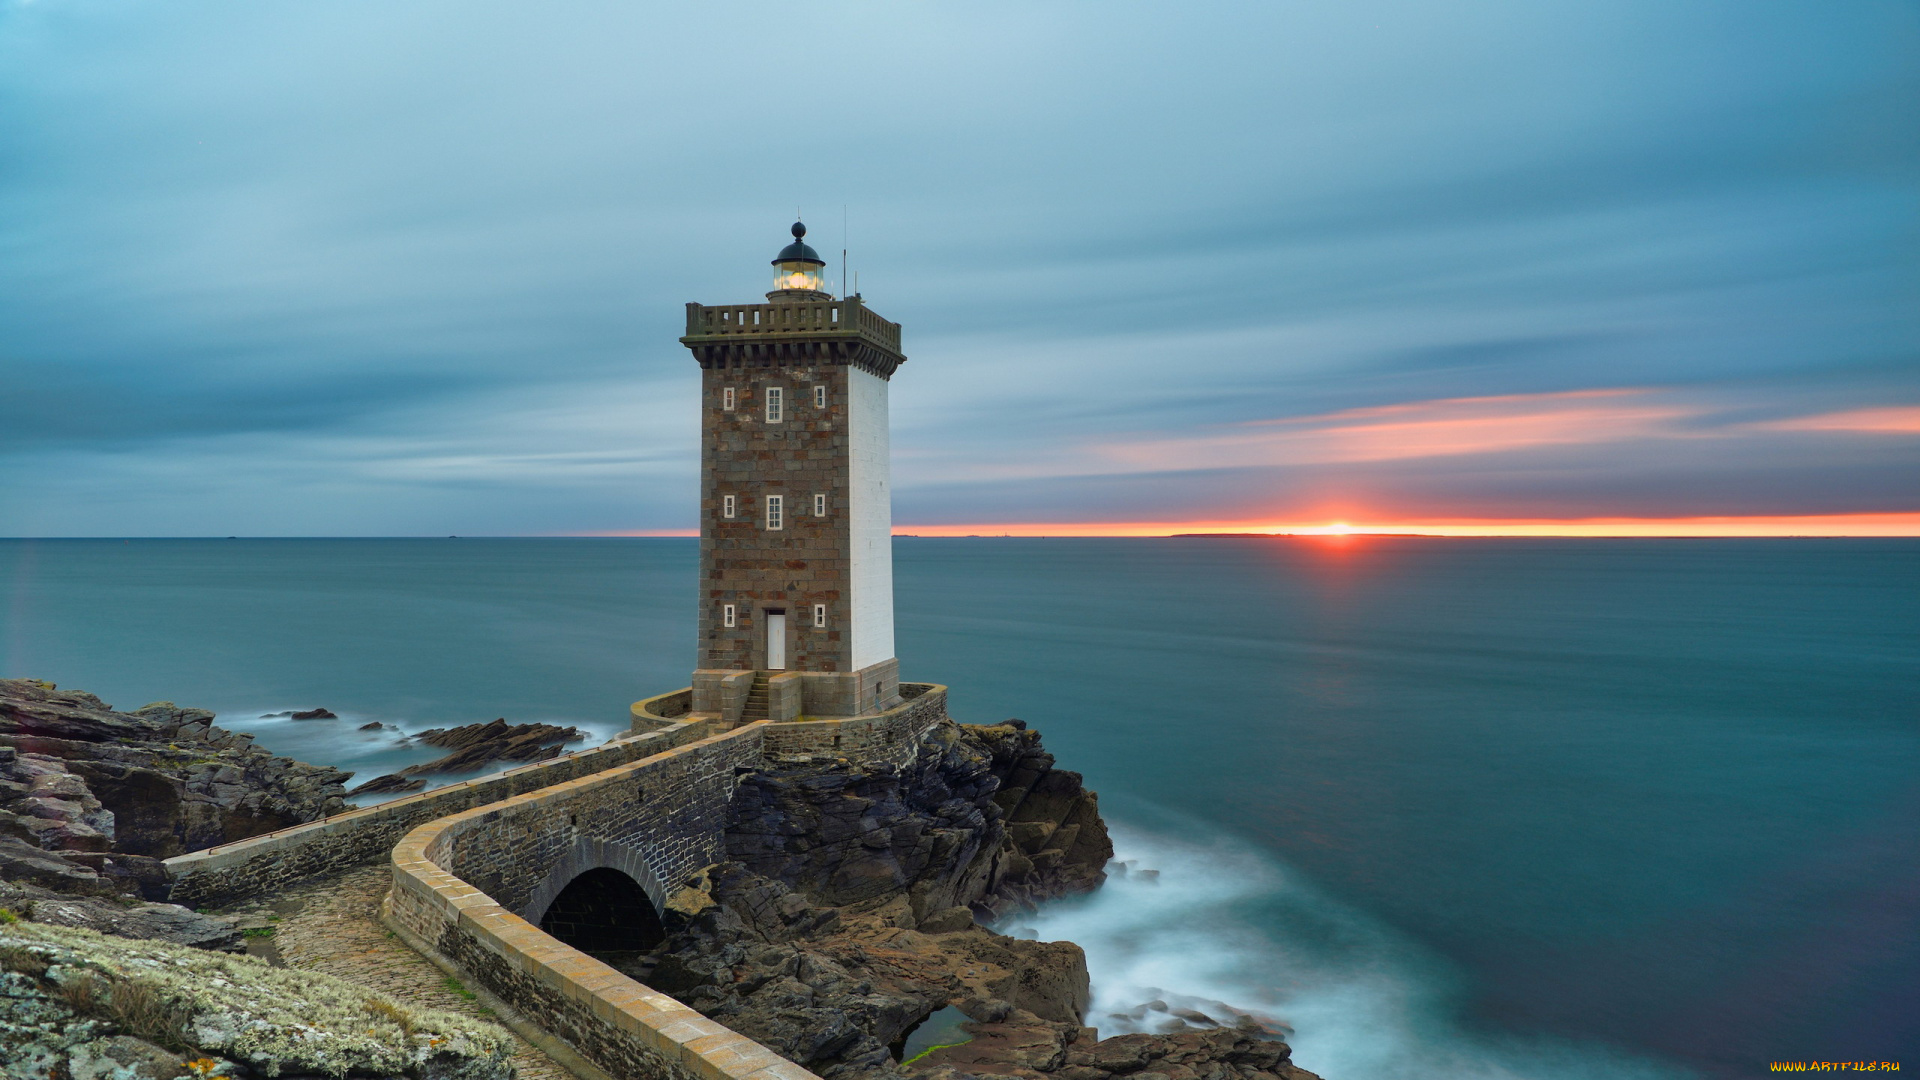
776 640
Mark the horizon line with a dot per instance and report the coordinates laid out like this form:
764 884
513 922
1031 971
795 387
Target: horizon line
1809 526
1904 524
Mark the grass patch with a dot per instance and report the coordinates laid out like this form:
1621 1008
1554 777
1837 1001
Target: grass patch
259 931
149 1012
454 986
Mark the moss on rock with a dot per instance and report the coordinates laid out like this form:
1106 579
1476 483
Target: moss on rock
67 992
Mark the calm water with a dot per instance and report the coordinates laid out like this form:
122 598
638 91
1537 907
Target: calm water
1450 808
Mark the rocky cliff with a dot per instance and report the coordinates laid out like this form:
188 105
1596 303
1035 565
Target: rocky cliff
91 799
982 820
851 912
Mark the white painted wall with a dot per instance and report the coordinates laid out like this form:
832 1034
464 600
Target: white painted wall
871 577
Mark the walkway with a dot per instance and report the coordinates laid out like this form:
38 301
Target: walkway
332 925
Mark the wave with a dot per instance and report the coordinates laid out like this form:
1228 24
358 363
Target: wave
1193 934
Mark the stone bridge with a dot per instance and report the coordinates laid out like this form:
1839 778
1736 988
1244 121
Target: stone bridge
490 875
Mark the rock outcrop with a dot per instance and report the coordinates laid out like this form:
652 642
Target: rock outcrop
121 916
92 798
171 780
76 1004
981 820
474 746
837 989
851 913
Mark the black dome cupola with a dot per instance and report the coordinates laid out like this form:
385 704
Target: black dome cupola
798 251
798 268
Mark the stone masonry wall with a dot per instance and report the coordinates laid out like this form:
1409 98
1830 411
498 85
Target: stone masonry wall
671 808
742 561
615 1022
892 736
217 876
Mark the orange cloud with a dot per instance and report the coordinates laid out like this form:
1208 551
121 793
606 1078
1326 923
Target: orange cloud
1441 427
1889 420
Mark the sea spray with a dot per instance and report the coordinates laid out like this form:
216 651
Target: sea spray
1201 933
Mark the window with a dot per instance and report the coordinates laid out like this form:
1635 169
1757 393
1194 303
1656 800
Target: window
726 399
819 506
729 505
728 616
819 397
776 512
819 614
776 404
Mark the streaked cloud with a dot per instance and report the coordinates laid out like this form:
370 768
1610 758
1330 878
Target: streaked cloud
1423 429
419 267
1889 420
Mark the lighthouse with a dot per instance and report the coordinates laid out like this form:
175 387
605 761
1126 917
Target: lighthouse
796 521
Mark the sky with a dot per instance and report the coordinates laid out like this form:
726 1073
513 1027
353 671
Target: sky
418 268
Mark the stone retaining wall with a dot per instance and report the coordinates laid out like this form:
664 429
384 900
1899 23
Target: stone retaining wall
892 736
616 1023
229 873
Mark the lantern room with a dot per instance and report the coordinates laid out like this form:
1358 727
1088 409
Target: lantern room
798 271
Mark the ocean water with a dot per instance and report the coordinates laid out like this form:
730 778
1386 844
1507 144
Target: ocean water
1556 809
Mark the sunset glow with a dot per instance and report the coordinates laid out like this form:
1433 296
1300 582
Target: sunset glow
1896 524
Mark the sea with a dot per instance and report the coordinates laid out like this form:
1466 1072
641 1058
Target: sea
1450 809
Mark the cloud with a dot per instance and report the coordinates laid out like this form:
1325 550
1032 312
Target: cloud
1885 420
382 268
1424 429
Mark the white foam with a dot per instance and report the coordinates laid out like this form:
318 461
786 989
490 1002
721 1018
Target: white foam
1226 931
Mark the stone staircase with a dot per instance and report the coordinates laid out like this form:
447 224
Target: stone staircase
756 700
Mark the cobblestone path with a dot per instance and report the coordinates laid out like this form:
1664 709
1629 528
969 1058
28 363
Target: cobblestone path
332 925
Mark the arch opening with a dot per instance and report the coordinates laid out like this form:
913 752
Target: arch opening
604 911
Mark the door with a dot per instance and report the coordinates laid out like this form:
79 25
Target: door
776 639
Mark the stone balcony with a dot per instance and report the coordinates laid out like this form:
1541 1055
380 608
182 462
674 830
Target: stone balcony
802 332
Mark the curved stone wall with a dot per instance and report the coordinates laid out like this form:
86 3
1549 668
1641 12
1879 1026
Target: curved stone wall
470 886
229 873
614 1022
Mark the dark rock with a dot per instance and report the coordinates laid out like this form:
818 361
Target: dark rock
1218 1052
390 784
121 917
475 746
937 832
375 726
313 714
25 863
158 781
948 921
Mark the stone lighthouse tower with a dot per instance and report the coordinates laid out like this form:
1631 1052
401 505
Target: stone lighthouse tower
796 556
